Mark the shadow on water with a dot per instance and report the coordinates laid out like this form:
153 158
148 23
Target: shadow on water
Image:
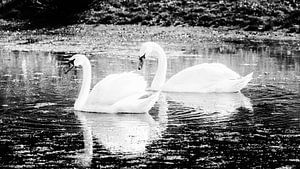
259 127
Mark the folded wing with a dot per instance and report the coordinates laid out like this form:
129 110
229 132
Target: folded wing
115 87
207 77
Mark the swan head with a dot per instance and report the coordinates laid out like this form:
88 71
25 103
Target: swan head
75 61
146 51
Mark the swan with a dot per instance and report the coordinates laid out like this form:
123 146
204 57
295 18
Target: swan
201 78
123 92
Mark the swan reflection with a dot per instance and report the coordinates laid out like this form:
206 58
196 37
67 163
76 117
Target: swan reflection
126 134
223 103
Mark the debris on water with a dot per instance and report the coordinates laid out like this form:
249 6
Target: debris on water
39 105
38 73
7 75
286 167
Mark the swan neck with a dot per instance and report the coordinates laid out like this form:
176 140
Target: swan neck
86 84
160 76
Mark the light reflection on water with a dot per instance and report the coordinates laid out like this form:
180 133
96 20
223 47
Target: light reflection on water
256 128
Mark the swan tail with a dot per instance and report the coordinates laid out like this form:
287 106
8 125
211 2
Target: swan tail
244 81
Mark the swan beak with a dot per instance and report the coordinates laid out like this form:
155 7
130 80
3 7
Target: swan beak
71 65
141 62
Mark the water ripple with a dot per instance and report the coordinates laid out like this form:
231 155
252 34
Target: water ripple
258 128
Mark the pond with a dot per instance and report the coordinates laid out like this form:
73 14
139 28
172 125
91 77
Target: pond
259 127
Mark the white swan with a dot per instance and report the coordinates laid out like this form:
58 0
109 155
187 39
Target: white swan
202 78
124 92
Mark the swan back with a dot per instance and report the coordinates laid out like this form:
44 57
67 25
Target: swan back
116 87
206 77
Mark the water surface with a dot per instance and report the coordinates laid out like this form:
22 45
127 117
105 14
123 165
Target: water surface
259 127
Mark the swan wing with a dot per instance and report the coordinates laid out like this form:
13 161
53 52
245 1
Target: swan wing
137 103
200 78
231 85
115 87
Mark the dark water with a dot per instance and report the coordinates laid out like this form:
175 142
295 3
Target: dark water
258 128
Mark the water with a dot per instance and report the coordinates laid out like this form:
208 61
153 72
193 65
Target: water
259 127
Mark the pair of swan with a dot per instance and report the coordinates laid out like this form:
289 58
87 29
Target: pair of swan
126 92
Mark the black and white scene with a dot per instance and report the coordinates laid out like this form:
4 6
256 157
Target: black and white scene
144 84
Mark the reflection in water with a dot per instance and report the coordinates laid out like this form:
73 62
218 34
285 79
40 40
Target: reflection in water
258 128
223 103
121 133
85 157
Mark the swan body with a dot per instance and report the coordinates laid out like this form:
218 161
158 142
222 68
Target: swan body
201 78
206 78
123 92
